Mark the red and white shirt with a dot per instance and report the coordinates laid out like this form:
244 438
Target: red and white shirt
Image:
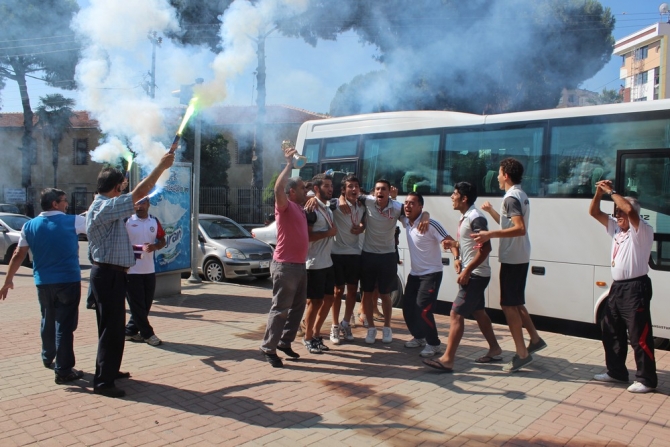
140 232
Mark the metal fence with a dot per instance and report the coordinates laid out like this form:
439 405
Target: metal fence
244 205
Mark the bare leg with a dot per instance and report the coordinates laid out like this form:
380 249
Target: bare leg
310 317
366 303
528 324
485 326
322 314
456 329
337 305
513 316
350 303
387 308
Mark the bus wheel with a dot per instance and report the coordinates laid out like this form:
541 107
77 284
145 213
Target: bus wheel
661 343
396 295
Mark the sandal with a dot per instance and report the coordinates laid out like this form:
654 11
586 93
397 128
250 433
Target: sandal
436 364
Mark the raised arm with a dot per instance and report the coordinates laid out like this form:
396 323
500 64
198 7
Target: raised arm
145 186
486 206
281 199
594 209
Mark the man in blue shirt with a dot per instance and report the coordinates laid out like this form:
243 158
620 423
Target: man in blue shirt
52 236
111 254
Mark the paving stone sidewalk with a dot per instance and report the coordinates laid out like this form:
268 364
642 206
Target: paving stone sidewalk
207 385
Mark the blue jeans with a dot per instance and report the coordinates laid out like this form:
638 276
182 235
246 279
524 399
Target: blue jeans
59 305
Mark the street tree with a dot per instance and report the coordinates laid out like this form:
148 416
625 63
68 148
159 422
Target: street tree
214 155
53 116
36 42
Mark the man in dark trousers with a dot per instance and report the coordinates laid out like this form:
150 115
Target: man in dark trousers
111 255
52 236
146 236
627 305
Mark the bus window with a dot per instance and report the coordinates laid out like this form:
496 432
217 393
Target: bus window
475 157
582 154
408 162
311 151
341 147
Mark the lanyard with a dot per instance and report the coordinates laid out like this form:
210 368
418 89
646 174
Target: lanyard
354 215
619 239
326 216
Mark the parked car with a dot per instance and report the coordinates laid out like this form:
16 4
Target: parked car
267 234
82 236
229 251
9 208
10 231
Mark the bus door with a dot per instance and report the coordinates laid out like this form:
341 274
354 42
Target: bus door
645 175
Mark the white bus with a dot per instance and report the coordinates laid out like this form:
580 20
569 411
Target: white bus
564 152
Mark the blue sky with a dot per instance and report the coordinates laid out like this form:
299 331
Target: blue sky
308 77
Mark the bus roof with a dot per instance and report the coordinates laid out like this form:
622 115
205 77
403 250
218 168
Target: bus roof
422 119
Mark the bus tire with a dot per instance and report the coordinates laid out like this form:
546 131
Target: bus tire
397 295
662 344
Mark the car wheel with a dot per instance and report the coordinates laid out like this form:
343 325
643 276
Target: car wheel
27 262
213 270
9 254
263 276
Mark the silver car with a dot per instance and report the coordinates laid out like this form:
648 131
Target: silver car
267 234
229 251
10 231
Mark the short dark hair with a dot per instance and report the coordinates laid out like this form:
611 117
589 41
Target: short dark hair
418 196
318 180
468 190
49 196
513 168
383 180
350 179
108 179
291 184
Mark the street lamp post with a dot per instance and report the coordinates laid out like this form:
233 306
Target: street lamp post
195 216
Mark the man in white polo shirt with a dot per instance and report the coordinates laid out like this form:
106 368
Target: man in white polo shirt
627 305
146 236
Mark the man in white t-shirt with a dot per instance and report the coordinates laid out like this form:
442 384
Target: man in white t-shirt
146 236
627 305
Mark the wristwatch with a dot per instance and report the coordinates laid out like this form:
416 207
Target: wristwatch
457 258
612 192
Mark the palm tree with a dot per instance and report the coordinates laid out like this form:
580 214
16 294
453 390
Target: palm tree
53 115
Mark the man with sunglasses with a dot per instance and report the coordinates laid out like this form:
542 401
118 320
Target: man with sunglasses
627 305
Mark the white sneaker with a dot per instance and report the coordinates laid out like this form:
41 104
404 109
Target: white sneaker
335 335
416 343
346 331
604 377
638 387
430 351
372 335
387 335
153 340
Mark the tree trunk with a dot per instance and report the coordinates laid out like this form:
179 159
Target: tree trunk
54 154
28 148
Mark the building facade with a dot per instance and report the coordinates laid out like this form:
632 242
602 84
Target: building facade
644 63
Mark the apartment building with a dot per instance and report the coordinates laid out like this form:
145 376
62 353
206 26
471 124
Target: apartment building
644 63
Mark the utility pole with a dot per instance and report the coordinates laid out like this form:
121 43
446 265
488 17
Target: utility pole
195 216
155 41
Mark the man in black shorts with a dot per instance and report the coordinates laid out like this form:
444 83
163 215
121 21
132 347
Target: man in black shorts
320 274
474 273
514 257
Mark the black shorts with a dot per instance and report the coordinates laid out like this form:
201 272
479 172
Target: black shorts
471 297
347 269
378 270
320 282
513 284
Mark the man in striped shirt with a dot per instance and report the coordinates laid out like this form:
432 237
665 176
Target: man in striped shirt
425 277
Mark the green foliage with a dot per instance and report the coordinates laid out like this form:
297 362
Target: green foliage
53 115
608 97
269 190
214 156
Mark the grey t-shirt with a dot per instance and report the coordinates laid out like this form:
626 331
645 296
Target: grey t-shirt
380 226
514 250
345 242
473 221
318 253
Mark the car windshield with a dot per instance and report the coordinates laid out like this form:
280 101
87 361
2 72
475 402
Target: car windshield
223 229
14 222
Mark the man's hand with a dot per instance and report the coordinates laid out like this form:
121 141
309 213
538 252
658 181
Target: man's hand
481 237
486 206
463 278
311 204
448 244
604 187
394 192
166 161
458 266
289 153
424 222
357 229
148 248
332 231
5 289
